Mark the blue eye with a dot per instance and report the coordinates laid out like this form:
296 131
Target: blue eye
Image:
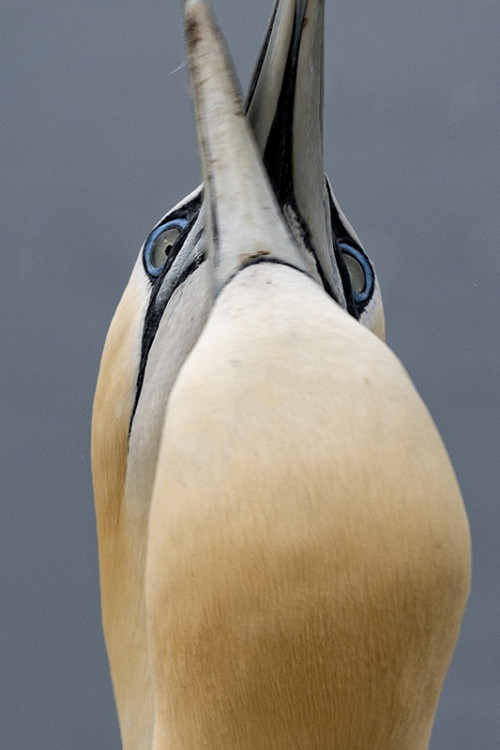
159 244
360 272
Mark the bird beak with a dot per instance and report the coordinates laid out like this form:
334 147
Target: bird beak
243 219
281 143
285 110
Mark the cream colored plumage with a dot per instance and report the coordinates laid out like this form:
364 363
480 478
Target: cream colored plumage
284 552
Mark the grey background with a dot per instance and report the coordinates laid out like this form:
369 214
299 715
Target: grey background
97 141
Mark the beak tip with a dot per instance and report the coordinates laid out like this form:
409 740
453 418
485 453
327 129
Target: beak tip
192 11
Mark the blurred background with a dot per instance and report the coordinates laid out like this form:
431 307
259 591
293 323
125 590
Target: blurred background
97 141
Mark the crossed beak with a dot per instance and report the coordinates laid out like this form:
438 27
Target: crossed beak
264 175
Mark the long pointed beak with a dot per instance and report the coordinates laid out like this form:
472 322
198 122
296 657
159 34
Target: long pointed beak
244 221
285 109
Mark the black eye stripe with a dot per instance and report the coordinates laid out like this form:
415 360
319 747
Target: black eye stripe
159 299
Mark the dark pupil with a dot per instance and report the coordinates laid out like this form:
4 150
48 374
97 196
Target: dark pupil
162 247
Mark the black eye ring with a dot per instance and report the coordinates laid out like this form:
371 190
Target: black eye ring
160 243
360 272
